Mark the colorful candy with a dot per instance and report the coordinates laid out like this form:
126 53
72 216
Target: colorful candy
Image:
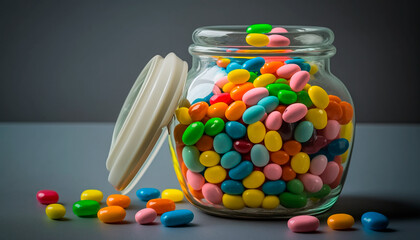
86 208
118 200
161 205
303 223
111 214
177 218
375 221
47 196
340 221
55 211
145 194
92 194
145 216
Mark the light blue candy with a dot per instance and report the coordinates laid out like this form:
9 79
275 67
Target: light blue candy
259 155
375 221
235 129
241 171
274 187
253 114
177 217
191 155
230 159
145 194
338 146
269 103
232 187
232 66
304 131
300 62
294 61
222 143
254 65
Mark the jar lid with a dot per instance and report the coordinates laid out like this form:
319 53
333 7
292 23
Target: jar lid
138 133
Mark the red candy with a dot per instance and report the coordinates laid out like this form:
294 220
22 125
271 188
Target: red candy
47 196
223 97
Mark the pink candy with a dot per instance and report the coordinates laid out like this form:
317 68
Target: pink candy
195 180
273 171
318 165
278 41
146 216
303 223
312 183
273 121
212 193
254 95
332 129
299 80
294 112
330 173
287 71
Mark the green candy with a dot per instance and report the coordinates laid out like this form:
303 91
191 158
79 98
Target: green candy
282 80
193 133
190 155
325 190
290 200
86 208
252 77
287 96
214 126
259 28
295 186
303 97
274 88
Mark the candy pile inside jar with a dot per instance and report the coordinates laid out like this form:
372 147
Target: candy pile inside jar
264 137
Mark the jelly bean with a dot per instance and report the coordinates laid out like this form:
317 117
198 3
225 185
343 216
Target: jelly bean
294 112
334 98
209 158
252 77
230 159
217 110
270 202
292 147
92 194
334 111
177 218
238 76
299 80
314 68
272 141
313 145
290 200
216 174
259 28
269 103
235 110
55 211
257 39
238 91
175 195
318 164
340 221
347 113
254 95
312 183
288 173
338 146
318 117
145 216
190 155
196 180
254 64
278 41
278 30
183 116
325 190
271 67
242 146
235 129
198 110
205 143
295 186
300 163
214 126
86 208
232 187
264 79
178 132
279 157
47 196
212 193
294 60
273 121
222 143
303 97
274 187
222 97
118 200
272 171
274 88
241 171
223 63
112 214
256 132
318 97
161 205
221 82
233 202
228 87
375 221
145 194
332 129
283 81
259 155
303 223
330 173
232 66
195 193
253 198
286 130
287 71
253 114
287 97
254 180
193 133
303 132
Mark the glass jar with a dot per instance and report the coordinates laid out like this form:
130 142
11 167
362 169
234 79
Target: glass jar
258 132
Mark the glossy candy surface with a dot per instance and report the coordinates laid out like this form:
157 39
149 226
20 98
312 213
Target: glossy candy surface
92 194
47 196
340 221
303 223
145 216
177 218
175 195
145 194
55 211
375 221
118 200
86 208
112 214
161 205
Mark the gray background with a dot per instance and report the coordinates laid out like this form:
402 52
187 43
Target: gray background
76 60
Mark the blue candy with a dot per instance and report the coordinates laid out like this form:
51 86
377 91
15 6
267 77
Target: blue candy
222 143
274 187
375 221
304 131
146 194
230 159
235 129
259 155
177 217
269 103
300 62
232 187
241 171
338 146
253 114
254 65
233 66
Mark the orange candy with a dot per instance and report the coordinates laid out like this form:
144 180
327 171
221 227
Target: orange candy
292 147
235 110
228 87
279 157
112 214
271 67
161 205
239 90
280 108
223 62
347 113
198 111
178 132
205 143
118 200
334 98
334 111
288 173
217 110
197 194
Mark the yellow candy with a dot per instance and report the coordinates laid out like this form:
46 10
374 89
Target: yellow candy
273 141
300 163
55 211
238 76
270 202
347 133
254 180
228 86
233 202
209 158
319 97
183 116
318 117
264 79
307 86
256 132
92 194
215 174
175 195
257 39
314 68
340 221
253 198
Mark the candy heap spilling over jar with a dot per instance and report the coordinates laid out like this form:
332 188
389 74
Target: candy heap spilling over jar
265 136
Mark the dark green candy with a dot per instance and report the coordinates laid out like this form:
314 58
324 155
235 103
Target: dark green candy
290 200
252 77
274 88
325 190
287 96
303 97
86 208
295 186
259 28
214 126
193 133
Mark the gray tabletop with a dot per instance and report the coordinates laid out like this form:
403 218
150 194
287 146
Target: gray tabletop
69 158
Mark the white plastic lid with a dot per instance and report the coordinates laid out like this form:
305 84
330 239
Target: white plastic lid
148 108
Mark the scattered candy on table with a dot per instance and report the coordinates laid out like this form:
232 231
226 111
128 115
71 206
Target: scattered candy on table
55 211
92 194
86 208
161 205
340 221
111 214
145 194
375 221
146 216
177 218
47 196
303 224
118 200
175 195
